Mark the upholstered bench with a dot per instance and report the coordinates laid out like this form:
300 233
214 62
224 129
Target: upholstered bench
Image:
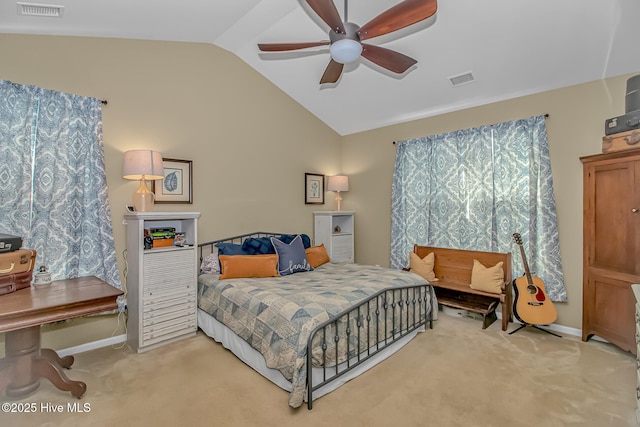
452 276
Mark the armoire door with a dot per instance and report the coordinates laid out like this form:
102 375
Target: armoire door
612 219
611 246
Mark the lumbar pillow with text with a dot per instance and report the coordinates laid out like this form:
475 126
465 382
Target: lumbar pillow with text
423 266
317 255
243 266
291 257
487 279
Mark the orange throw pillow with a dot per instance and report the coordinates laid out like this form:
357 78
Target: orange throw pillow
317 255
244 266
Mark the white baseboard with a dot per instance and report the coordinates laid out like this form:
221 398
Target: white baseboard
92 345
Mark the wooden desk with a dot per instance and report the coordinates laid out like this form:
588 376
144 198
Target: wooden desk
21 314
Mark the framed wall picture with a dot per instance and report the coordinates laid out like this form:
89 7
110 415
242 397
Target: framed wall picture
313 189
177 185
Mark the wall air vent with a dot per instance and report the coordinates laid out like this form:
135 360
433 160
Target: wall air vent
34 9
462 79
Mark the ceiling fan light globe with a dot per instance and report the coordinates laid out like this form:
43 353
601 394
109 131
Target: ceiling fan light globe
345 51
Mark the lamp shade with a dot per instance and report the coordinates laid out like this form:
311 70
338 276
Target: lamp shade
338 183
142 163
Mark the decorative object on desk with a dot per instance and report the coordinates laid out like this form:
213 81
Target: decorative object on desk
42 277
313 189
177 185
9 243
143 165
16 270
338 183
18 261
14 282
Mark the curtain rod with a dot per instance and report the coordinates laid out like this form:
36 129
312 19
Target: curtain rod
546 116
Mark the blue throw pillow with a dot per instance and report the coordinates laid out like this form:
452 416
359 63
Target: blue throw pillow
258 246
292 257
288 238
230 249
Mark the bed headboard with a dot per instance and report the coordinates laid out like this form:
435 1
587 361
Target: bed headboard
206 248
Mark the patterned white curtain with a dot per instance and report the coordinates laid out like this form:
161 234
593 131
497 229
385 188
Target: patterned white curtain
472 189
53 188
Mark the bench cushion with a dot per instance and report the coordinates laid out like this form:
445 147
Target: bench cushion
488 279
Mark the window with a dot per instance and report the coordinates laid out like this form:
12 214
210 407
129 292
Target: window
53 190
472 189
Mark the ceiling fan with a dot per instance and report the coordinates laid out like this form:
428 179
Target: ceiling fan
345 38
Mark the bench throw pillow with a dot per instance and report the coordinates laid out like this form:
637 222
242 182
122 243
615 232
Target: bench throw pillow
291 257
423 266
487 279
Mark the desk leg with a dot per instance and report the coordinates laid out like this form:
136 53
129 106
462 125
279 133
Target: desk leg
20 348
45 367
6 374
50 354
25 363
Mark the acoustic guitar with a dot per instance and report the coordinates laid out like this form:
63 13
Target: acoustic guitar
531 305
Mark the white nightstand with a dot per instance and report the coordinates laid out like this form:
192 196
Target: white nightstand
335 230
162 282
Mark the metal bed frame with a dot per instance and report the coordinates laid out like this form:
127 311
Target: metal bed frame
382 319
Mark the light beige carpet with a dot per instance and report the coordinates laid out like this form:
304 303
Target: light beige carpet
454 375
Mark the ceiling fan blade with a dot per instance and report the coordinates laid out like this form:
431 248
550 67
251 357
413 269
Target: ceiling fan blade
279 47
387 58
332 72
399 16
327 11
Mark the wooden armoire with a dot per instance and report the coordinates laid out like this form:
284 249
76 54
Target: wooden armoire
611 240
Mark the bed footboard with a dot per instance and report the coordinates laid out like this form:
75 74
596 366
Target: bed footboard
353 336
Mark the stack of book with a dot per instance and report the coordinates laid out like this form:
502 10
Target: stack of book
162 237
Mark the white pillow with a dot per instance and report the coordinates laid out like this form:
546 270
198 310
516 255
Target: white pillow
211 264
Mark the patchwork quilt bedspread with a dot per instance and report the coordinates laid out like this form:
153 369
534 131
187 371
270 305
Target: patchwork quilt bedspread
277 315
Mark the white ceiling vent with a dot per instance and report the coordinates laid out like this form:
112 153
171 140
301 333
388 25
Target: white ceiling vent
34 9
462 79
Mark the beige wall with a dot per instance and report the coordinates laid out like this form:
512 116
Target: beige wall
251 144
575 128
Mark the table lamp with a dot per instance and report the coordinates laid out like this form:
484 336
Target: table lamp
338 183
143 165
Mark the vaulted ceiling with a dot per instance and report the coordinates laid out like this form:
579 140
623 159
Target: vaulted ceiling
510 47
